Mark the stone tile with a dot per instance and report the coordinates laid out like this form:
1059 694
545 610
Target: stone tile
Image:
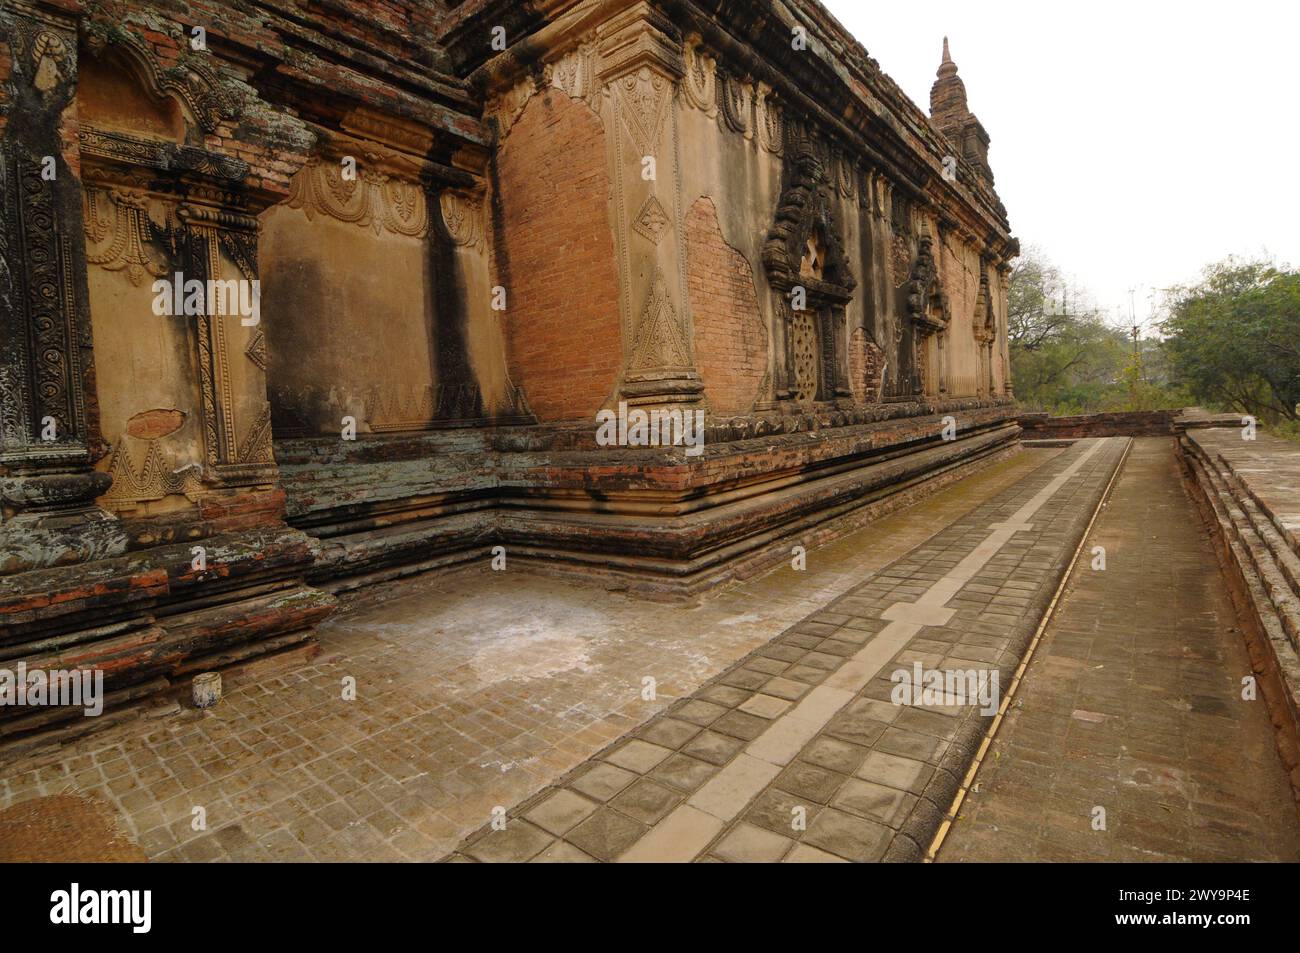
560 812
700 713
712 747
765 706
562 853
747 844
844 835
670 733
905 774
742 725
606 834
766 665
646 801
683 772
743 678
725 695
783 688
809 781
910 744
602 781
785 738
519 842
726 793
677 839
856 728
805 854
639 756
834 755
774 810
875 801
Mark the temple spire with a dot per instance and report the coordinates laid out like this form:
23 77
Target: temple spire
950 112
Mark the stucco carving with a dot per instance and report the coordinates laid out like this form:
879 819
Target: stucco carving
737 99
926 301
150 480
462 214
659 341
118 236
700 84
652 221
194 81
372 199
769 120
643 101
804 210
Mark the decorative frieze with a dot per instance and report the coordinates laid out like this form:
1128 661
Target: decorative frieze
463 216
369 199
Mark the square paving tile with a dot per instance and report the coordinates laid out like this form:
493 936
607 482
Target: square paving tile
562 853
603 781
778 811
646 801
637 755
700 713
852 838
747 844
684 772
520 841
875 801
834 755
740 724
765 706
906 774
809 781
670 733
712 747
561 811
606 834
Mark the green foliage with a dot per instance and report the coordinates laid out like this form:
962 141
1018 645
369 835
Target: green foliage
1233 340
1066 360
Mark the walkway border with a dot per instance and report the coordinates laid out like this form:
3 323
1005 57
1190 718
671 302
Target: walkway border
937 843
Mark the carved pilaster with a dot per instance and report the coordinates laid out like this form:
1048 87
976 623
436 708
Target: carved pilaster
45 434
237 447
640 66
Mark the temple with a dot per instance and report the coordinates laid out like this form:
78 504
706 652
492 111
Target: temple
429 246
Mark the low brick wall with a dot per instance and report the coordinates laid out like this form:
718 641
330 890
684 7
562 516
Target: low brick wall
1143 423
1249 491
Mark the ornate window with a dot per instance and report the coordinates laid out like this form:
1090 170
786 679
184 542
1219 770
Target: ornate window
807 269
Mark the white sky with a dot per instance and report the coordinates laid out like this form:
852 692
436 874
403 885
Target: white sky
1134 142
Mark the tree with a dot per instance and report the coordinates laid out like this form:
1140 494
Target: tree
1233 340
1064 358
1034 313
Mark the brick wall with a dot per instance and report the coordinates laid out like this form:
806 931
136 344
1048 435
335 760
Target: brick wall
562 323
866 362
1142 423
730 339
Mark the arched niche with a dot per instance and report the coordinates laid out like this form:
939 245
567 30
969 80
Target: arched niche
181 397
810 275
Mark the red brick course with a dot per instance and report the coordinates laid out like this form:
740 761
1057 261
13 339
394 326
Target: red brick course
562 321
730 339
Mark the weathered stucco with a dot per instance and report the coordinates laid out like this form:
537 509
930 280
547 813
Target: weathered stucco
469 252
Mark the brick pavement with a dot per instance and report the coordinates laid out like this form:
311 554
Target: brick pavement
1134 705
797 753
474 690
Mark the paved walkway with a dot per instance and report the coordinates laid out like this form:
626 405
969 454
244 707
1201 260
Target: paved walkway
473 690
1133 706
799 753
